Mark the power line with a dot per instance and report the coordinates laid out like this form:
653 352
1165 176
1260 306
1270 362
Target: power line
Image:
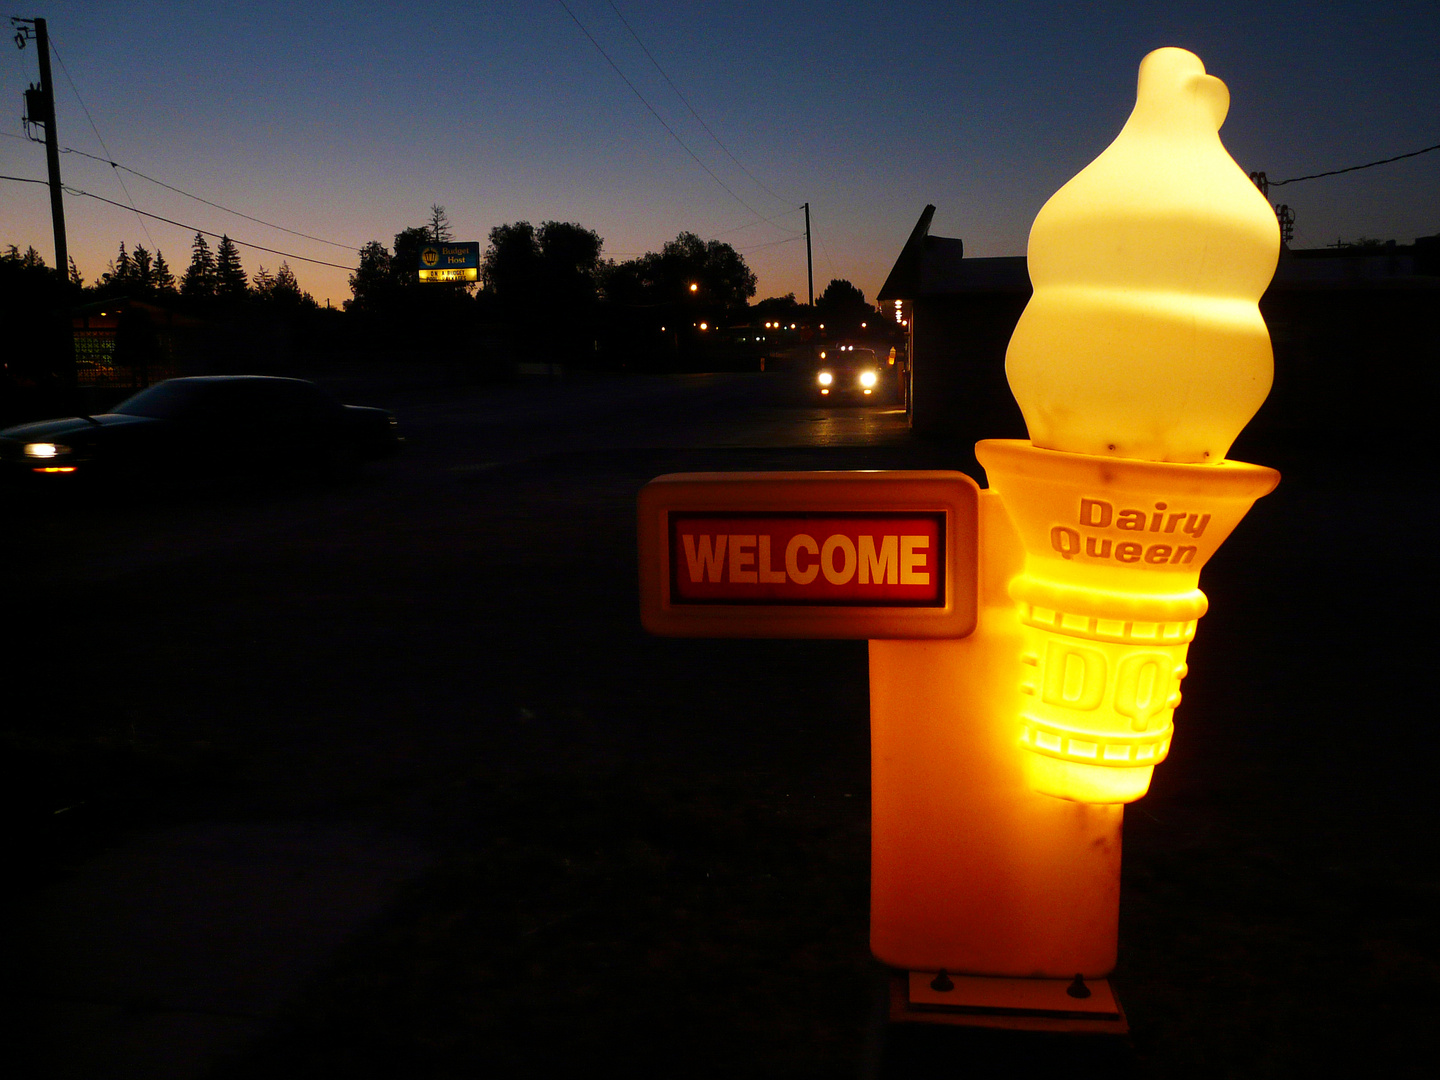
180 224
207 202
773 243
693 113
25 180
1355 168
752 224
76 91
190 195
658 117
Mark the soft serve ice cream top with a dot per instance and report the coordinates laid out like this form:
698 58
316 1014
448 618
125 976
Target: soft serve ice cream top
1143 338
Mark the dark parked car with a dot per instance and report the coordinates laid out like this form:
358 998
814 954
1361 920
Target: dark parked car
204 428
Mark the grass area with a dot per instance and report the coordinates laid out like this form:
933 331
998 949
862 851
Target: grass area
657 928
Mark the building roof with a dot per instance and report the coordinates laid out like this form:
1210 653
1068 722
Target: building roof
931 266
936 266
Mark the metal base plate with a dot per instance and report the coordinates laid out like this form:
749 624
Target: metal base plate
1011 1004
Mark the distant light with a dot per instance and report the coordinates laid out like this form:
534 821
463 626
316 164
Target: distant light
694 287
822 326
704 326
826 378
863 325
822 354
792 326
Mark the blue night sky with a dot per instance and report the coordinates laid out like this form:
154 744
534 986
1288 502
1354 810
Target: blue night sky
347 121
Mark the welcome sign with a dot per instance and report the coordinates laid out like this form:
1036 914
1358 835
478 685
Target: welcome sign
835 555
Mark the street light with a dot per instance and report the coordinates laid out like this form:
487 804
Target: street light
694 287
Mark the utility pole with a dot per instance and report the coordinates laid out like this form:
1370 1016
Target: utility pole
809 263
40 109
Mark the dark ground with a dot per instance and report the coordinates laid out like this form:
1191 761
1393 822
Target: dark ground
384 779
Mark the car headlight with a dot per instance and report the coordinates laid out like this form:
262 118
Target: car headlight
45 449
826 378
867 379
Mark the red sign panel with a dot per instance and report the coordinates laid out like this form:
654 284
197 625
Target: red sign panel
855 560
820 555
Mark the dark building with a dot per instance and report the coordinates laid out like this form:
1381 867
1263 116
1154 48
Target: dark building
125 344
1356 333
961 314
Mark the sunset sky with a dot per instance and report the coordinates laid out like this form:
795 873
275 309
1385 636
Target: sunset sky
347 121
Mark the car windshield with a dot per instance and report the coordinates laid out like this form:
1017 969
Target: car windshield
168 400
850 357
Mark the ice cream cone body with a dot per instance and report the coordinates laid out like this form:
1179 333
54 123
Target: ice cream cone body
1143 338
1108 601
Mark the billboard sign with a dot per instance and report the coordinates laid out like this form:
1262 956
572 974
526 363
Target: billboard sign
449 261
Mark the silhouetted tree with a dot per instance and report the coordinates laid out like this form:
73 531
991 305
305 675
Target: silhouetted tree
75 279
30 259
439 225
510 268
164 280
569 260
199 279
718 271
546 281
142 270
263 284
286 290
230 280
280 290
781 308
371 283
122 271
842 307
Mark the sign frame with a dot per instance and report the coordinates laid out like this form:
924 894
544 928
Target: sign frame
449 260
778 495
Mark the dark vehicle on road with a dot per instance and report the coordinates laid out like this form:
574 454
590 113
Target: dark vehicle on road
850 372
198 429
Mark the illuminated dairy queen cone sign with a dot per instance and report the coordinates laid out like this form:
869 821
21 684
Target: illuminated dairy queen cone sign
1028 641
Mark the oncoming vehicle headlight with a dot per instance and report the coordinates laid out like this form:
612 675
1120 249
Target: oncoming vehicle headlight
868 379
45 449
826 378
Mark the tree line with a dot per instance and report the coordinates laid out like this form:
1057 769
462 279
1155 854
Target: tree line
545 292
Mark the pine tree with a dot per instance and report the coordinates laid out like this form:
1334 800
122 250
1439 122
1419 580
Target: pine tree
287 288
264 284
123 269
439 225
230 280
142 269
75 278
163 279
199 279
